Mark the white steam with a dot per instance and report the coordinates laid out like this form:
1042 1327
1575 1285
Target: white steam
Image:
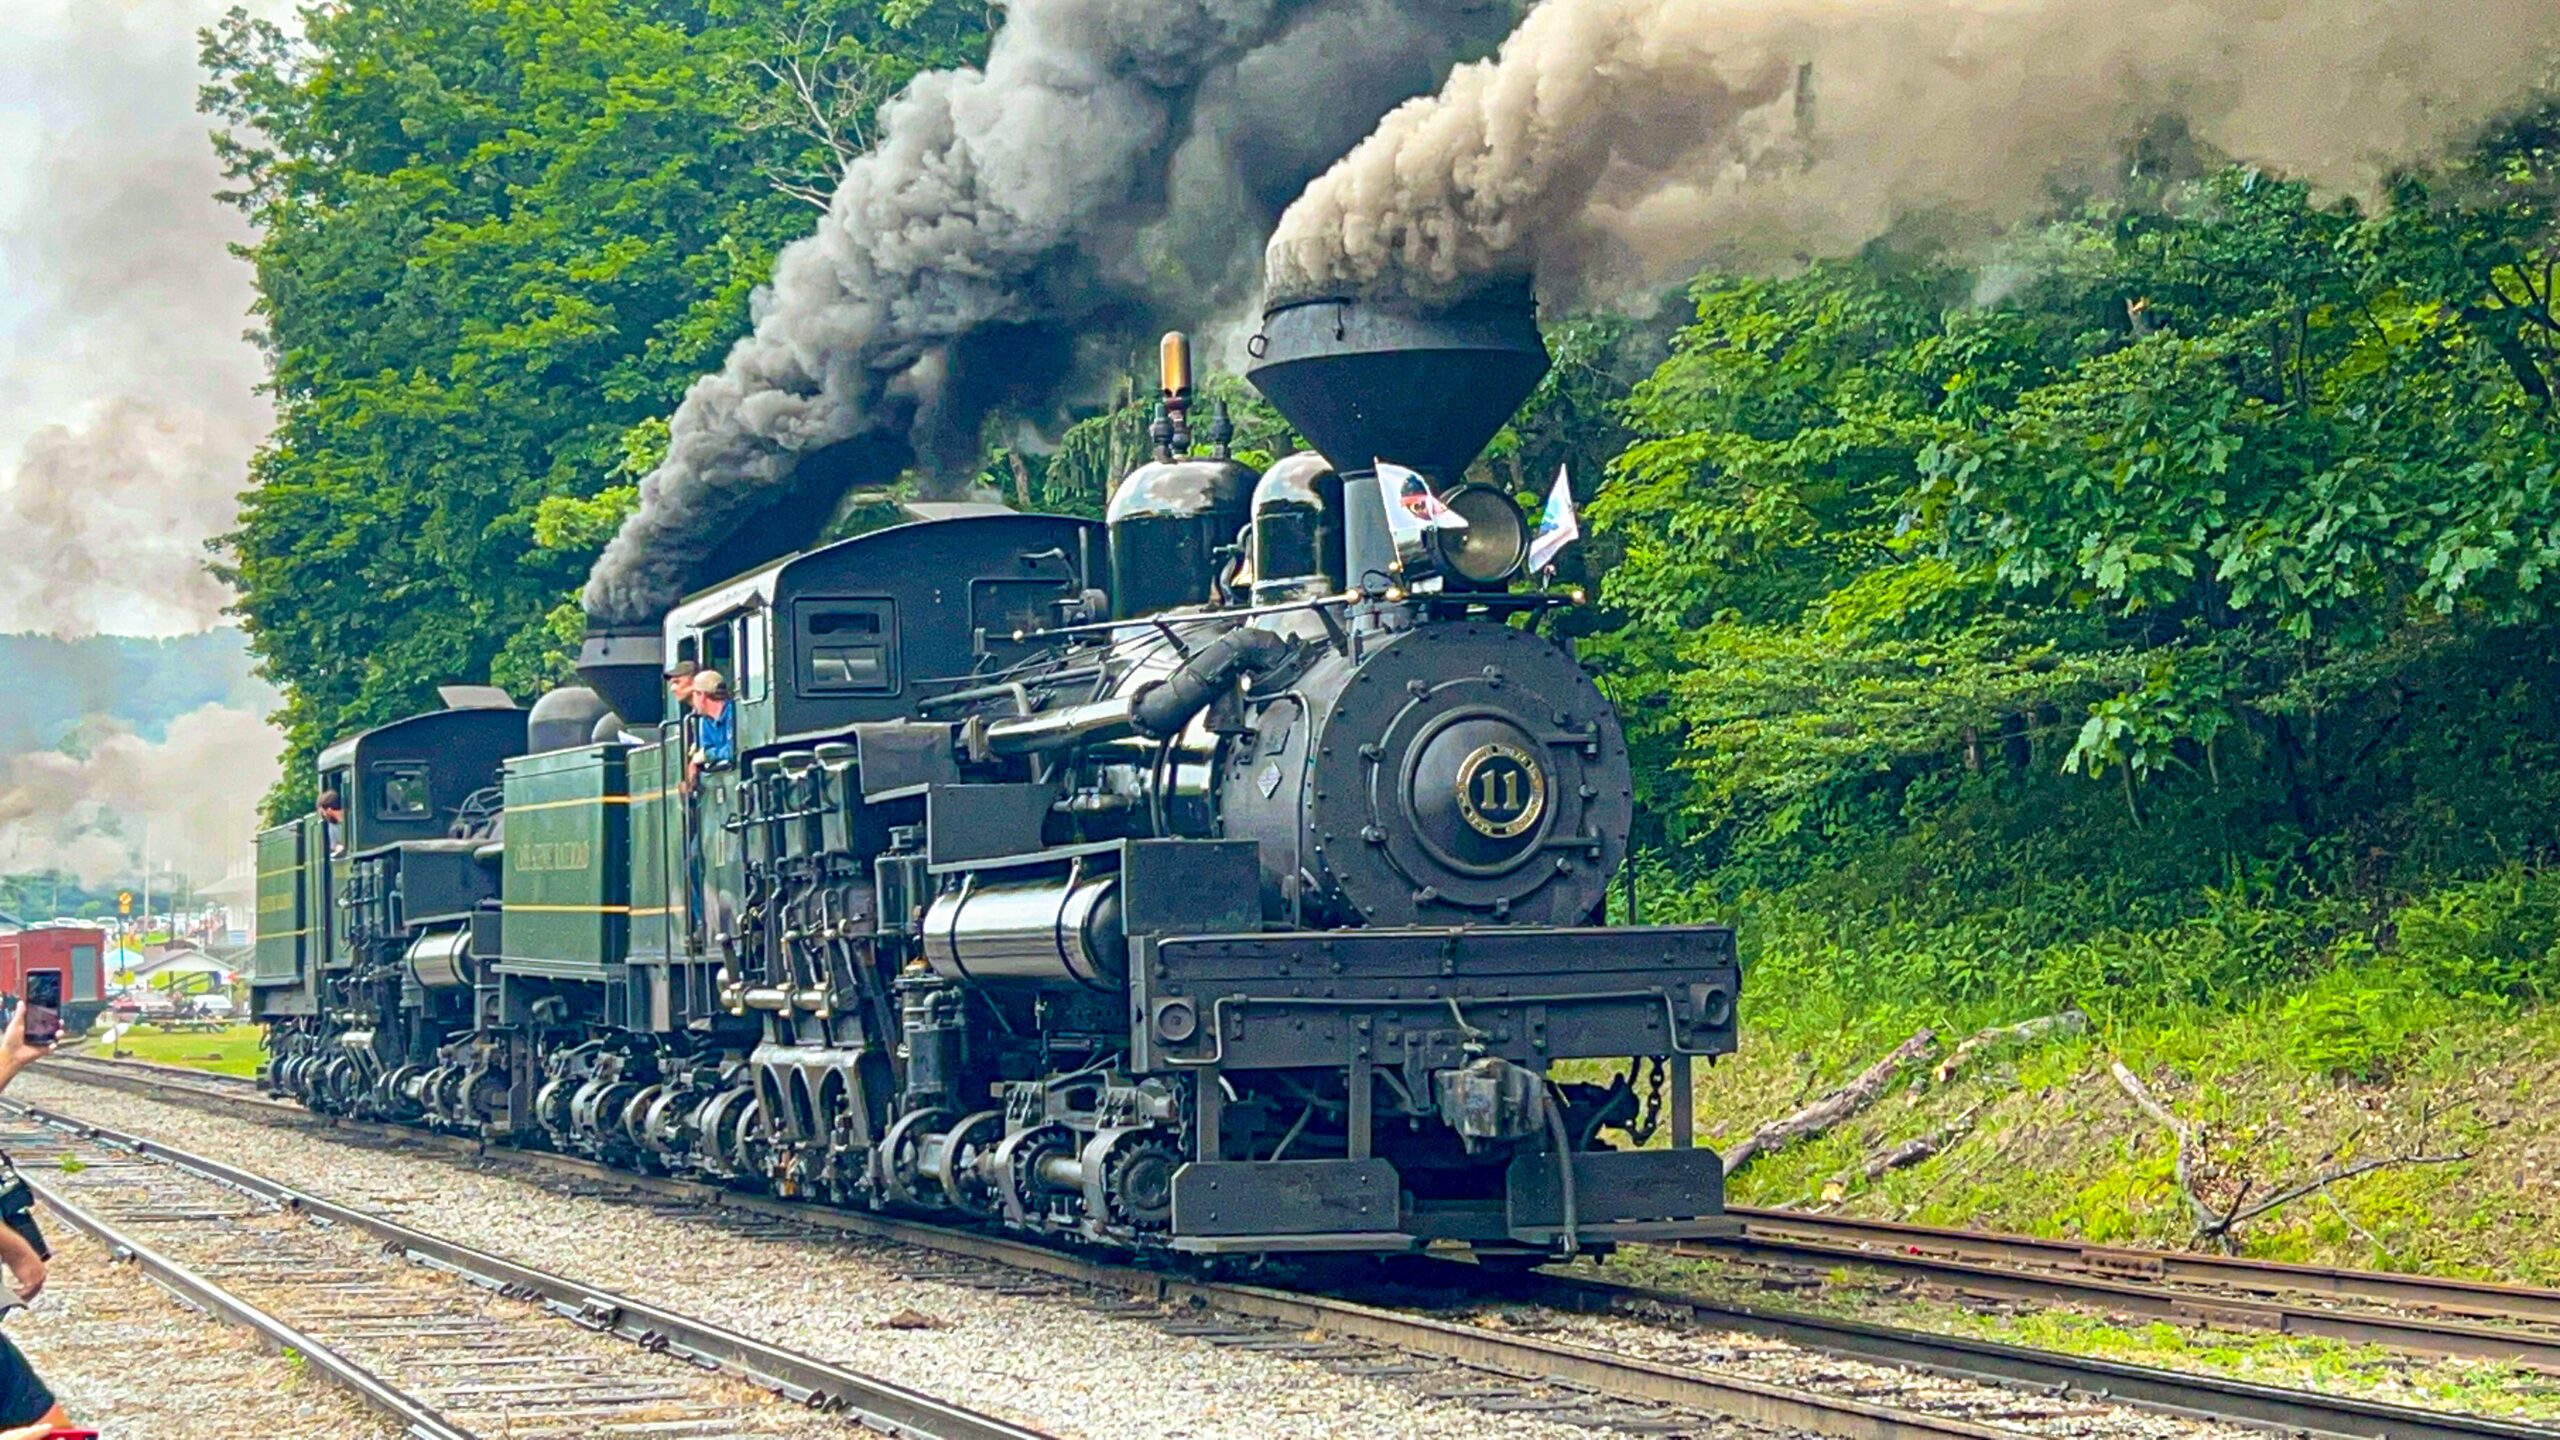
187 801
128 407
1617 142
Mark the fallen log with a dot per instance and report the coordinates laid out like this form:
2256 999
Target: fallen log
1881 1163
1831 1109
2067 1022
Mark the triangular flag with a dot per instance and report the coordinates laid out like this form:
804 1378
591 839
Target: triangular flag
1558 527
1411 507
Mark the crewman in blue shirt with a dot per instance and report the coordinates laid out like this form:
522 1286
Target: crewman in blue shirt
715 727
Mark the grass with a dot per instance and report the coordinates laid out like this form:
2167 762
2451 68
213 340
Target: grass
232 1050
2056 1148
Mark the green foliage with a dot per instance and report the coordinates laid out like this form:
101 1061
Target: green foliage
2494 940
2356 1021
2239 503
497 238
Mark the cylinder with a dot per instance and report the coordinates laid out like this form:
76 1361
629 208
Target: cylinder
1057 729
441 960
1039 932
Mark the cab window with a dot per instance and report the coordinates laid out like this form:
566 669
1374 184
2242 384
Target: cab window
400 792
846 647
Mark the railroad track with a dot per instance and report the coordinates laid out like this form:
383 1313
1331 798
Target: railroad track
2475 1299
449 1342
2417 1315
2013 1389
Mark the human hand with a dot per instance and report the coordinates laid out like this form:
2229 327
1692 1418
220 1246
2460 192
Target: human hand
16 1051
27 1273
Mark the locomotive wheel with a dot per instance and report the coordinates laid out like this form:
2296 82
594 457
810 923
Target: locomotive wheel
1018 1160
727 1123
662 1127
1137 1179
634 1124
396 1093
899 1160
551 1108
958 1171
447 1088
338 1083
480 1096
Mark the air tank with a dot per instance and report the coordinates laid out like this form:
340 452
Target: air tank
1297 530
1168 520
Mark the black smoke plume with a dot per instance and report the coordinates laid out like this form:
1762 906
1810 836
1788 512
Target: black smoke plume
1115 165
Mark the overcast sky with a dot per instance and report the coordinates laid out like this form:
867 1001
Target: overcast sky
126 402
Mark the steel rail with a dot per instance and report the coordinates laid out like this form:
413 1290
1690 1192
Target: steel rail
2478 1299
2195 1396
879 1404
1830 1239
2419 1335
1616 1376
420 1420
2207 1397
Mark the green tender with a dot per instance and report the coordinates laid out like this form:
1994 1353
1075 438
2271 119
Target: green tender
284 914
567 885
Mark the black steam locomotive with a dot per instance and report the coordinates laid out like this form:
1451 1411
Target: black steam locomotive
1227 878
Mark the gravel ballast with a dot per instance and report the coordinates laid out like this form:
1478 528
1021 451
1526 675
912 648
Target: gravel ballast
1042 1361
127 1360
1045 1361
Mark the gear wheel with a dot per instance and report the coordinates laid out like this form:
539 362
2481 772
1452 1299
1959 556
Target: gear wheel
1138 1181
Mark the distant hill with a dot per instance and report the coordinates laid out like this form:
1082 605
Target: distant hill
141 684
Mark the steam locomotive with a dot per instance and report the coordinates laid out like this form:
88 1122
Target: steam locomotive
1228 877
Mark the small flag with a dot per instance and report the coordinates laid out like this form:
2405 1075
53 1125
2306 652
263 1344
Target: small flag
1558 527
1411 507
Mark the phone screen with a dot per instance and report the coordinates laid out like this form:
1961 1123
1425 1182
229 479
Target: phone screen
44 1006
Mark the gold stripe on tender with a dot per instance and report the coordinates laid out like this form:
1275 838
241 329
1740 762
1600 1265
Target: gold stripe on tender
568 804
567 909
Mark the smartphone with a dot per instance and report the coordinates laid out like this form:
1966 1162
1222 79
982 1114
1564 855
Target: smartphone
44 1006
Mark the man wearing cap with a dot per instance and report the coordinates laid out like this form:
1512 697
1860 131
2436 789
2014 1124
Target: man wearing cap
680 677
715 729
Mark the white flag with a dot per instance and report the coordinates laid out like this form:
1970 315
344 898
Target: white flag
1557 528
1411 507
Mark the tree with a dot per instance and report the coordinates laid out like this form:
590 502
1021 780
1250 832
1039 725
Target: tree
496 239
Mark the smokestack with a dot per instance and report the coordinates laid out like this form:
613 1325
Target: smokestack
1415 385
626 665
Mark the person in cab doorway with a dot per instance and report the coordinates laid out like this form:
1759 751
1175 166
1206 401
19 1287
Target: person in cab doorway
680 677
715 728
333 820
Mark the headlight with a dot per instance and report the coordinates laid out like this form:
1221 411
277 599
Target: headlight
1491 550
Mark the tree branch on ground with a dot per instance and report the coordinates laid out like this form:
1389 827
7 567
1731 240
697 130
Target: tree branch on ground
2216 1227
1831 1109
2067 1022
2205 1216
1880 1163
